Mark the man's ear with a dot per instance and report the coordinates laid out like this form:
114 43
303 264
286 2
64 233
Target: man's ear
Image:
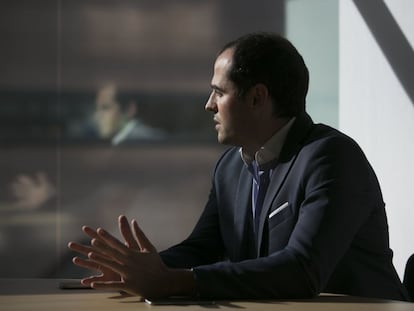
259 94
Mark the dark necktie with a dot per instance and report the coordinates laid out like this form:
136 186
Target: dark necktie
262 184
261 176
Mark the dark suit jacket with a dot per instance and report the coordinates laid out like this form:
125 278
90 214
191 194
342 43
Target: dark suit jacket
323 227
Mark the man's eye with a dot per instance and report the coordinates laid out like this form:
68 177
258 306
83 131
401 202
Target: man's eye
218 93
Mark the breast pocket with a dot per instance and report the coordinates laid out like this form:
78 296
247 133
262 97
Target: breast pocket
279 214
281 222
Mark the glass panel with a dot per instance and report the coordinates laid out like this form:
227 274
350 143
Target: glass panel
102 114
312 26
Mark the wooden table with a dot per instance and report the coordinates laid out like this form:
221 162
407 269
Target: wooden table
45 294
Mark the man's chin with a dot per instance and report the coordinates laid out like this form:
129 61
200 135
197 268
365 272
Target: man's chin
221 139
225 140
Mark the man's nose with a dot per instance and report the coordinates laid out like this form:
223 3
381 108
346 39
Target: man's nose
211 105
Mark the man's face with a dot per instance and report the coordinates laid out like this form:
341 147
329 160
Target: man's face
231 114
108 114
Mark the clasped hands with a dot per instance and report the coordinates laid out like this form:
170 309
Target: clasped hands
133 266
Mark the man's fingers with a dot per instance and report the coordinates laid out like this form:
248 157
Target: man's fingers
100 261
90 232
144 243
107 251
126 232
87 281
85 263
82 249
90 279
111 241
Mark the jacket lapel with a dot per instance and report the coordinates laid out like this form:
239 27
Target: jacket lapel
243 218
294 142
279 175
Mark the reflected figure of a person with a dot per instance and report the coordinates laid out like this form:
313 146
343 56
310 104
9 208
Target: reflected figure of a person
118 120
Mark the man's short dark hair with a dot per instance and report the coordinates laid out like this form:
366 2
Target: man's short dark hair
124 101
272 60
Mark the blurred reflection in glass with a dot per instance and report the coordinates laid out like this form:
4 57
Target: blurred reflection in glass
32 192
118 120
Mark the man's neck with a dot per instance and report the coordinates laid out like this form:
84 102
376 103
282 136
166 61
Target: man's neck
264 134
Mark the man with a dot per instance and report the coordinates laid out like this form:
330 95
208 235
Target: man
295 208
118 120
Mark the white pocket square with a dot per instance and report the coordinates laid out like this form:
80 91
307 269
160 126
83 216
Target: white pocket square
279 209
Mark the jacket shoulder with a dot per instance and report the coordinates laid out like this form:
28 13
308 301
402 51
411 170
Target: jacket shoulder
230 160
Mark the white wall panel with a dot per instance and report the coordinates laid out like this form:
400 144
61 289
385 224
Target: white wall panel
377 111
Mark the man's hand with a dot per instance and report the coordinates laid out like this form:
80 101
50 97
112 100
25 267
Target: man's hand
133 266
106 275
32 192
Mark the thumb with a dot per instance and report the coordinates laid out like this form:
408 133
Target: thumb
143 241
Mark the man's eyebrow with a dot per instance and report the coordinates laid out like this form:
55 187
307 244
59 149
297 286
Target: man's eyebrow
216 87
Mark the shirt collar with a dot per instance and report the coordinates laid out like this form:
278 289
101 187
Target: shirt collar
124 132
270 151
